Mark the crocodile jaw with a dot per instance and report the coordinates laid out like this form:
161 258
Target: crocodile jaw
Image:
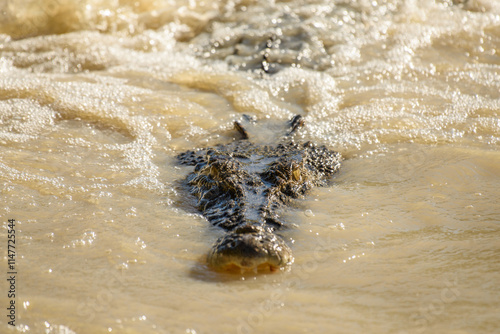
250 251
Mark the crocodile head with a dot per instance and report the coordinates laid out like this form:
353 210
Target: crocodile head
243 187
250 247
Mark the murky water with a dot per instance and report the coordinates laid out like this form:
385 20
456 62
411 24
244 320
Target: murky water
97 97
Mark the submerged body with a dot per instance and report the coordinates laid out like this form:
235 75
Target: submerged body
243 187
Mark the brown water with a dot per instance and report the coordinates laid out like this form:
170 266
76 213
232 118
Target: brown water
98 96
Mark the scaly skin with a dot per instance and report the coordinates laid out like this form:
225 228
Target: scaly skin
242 188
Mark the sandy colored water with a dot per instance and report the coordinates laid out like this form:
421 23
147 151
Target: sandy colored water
98 97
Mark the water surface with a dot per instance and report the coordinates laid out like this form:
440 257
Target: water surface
98 97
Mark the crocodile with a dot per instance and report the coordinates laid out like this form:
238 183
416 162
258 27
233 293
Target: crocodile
244 188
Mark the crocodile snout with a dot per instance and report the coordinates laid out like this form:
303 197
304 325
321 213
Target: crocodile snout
250 248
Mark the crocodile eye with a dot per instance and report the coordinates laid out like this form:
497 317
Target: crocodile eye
232 244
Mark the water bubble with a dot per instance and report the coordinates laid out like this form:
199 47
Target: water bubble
309 213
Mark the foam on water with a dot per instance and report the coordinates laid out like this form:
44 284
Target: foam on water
381 65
